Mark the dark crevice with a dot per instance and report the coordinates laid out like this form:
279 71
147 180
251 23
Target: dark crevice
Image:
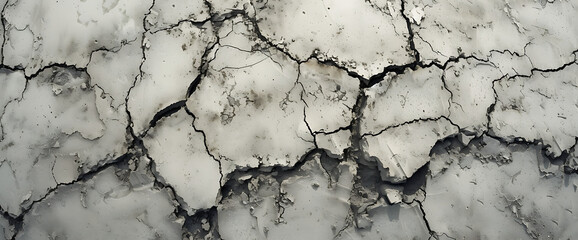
331 63
453 145
339 129
15 222
354 151
194 85
132 150
411 34
519 140
431 232
400 69
416 181
166 112
548 70
279 172
18 221
571 160
564 155
138 77
4 22
203 66
330 166
189 226
374 79
194 224
64 64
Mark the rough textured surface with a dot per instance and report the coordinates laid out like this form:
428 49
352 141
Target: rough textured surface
319 119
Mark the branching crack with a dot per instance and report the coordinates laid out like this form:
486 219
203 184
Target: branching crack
404 123
137 148
17 221
206 145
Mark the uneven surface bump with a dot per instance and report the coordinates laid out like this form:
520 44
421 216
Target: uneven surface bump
270 119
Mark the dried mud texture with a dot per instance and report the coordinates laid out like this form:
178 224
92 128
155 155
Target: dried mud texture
253 119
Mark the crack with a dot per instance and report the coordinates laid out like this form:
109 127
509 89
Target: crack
328 62
18 99
430 46
206 145
181 205
411 42
313 134
210 216
547 70
242 67
348 222
137 149
339 129
104 95
138 77
451 99
400 69
521 218
564 156
14 222
198 24
44 68
492 106
354 151
508 51
263 38
159 182
431 232
281 196
404 123
571 167
18 221
165 112
4 22
77 68
475 146
84 68
309 128
278 172
204 66
445 234
490 131
365 82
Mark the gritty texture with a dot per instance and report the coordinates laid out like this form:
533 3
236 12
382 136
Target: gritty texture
270 119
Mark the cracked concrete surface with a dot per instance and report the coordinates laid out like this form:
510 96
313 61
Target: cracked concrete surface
268 119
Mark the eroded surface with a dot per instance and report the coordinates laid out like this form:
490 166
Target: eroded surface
241 119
